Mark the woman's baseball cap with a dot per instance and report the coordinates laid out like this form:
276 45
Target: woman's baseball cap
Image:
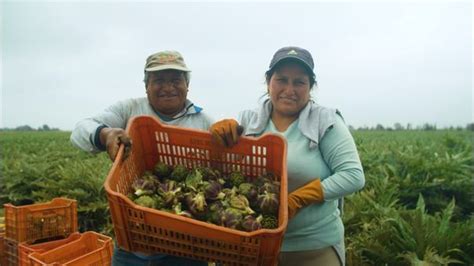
293 52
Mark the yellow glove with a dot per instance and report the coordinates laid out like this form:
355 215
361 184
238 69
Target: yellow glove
312 192
226 132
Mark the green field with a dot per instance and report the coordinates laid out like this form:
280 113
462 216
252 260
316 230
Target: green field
417 206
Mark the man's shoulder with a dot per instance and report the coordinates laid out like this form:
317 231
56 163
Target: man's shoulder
200 115
134 101
132 105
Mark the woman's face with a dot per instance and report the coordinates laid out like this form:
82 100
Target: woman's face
167 91
289 89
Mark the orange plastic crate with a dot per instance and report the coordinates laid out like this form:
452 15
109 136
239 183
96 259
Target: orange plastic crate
41 221
2 249
24 249
10 253
150 231
90 248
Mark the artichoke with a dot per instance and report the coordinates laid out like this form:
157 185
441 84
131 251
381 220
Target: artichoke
179 173
162 170
170 192
270 187
146 201
145 185
251 223
268 203
240 202
236 178
193 180
260 180
209 173
178 210
249 191
196 203
269 222
213 190
214 211
231 218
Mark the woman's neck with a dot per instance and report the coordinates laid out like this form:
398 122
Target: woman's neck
282 122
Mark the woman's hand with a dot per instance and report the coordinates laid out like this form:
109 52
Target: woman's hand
112 138
310 193
226 132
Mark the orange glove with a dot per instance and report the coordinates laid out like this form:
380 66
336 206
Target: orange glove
226 132
312 192
113 137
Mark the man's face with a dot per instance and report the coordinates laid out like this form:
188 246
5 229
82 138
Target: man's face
167 91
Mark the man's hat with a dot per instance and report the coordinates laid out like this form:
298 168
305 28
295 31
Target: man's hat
166 60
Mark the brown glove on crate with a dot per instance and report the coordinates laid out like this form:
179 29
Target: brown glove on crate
112 138
312 192
226 132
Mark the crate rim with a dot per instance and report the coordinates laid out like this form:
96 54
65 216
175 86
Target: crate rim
33 205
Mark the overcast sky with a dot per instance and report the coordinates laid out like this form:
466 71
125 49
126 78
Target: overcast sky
375 62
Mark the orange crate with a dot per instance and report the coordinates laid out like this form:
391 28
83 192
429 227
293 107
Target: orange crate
90 248
150 231
10 252
41 221
2 248
24 249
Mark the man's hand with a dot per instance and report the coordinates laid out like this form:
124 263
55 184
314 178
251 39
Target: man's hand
310 193
226 132
112 138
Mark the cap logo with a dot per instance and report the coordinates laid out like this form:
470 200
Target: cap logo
292 52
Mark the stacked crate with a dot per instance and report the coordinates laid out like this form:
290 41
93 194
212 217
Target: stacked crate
35 223
46 233
2 246
90 248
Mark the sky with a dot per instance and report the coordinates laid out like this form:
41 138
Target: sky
378 63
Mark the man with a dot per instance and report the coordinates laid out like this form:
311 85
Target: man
166 81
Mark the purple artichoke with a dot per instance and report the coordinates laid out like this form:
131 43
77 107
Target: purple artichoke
269 187
170 192
251 223
145 185
178 210
268 203
231 218
249 191
196 203
214 212
213 190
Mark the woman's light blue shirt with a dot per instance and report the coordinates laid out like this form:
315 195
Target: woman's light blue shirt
319 146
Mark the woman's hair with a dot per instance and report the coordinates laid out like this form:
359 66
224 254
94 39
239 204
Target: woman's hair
311 75
187 77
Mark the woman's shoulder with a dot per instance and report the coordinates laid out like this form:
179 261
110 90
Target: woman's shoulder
326 114
323 110
317 120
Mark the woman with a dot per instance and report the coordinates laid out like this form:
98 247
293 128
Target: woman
323 163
